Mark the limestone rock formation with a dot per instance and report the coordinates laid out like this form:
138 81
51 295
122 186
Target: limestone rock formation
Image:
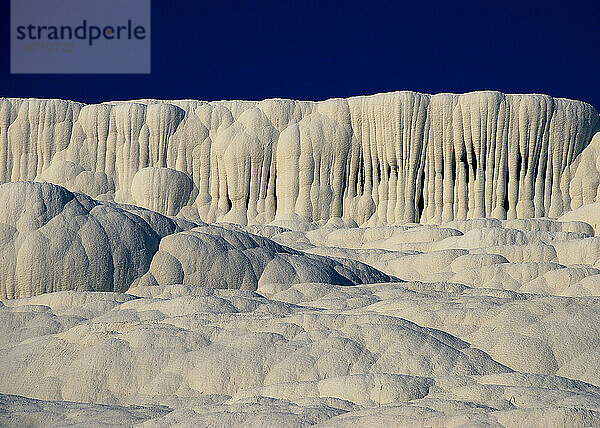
55 240
310 354
163 190
220 258
399 259
382 159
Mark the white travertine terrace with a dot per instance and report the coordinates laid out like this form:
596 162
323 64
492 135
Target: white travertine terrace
54 240
121 305
383 159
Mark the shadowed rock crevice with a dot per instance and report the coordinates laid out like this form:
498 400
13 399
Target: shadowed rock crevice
381 159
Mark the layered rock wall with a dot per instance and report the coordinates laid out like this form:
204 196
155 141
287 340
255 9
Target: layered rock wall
382 159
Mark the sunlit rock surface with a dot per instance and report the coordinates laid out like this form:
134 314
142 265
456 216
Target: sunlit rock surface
382 159
392 260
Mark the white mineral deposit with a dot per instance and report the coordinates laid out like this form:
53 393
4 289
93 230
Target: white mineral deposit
398 259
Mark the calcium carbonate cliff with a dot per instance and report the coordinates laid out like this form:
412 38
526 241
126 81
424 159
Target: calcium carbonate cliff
382 159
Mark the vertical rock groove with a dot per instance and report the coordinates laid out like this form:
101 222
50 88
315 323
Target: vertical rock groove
382 159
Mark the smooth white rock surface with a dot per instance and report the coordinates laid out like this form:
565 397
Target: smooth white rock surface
384 159
468 296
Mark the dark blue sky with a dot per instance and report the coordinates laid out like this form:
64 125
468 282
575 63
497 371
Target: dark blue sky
320 49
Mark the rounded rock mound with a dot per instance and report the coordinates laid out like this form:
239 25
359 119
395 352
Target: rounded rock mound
163 190
54 240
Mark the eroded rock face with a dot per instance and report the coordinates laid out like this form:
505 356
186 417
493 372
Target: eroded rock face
326 324
55 240
164 190
382 159
398 353
286 312
221 258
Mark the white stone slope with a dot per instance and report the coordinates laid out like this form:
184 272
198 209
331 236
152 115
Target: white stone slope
310 354
55 240
468 296
288 324
382 159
